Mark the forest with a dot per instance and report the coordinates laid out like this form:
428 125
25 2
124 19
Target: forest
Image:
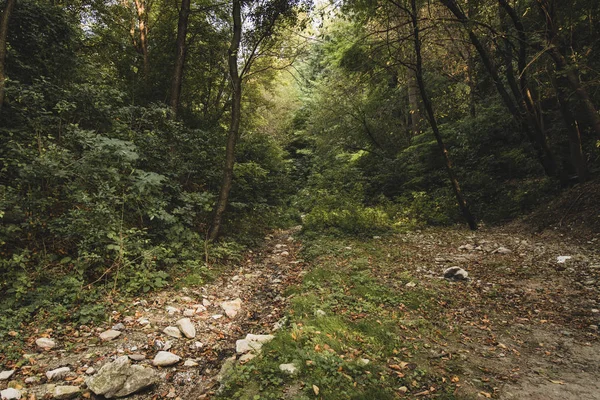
390 198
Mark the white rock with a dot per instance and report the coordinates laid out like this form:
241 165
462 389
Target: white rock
143 321
172 310
187 299
5 375
502 250
188 313
200 309
562 259
58 373
467 247
45 343
172 331
198 345
190 363
252 343
320 313
118 327
109 334
10 394
217 316
165 358
65 392
32 379
232 308
187 328
411 284
364 361
284 253
205 302
288 368
90 371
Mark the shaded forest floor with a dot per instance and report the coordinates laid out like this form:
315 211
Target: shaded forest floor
367 319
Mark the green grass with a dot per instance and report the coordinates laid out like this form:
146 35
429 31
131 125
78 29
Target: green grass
369 314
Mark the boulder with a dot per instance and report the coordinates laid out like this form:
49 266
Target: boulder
120 378
187 328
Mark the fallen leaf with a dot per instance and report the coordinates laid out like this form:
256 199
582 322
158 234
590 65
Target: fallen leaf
557 382
486 394
316 389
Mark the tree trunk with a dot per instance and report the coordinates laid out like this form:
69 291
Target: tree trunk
413 101
182 25
432 121
234 128
140 7
543 151
10 5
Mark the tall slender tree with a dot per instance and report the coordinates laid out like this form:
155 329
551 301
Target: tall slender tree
8 8
182 26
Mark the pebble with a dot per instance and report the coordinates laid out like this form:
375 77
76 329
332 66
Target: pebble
502 250
188 313
190 363
198 345
136 357
5 375
58 373
90 370
165 358
10 394
45 343
217 316
172 331
171 310
252 342
143 321
187 299
205 302
187 328
109 335
246 357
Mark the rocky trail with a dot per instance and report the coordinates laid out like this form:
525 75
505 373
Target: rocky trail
167 344
524 321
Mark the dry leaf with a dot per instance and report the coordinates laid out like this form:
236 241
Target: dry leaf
486 394
557 382
316 389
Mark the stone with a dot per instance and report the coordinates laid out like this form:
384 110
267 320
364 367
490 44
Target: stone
456 273
118 327
143 321
186 327
137 357
120 378
411 284
502 250
10 394
467 247
252 343
364 361
562 259
320 313
190 363
188 313
90 371
187 299
65 392
232 308
165 358
290 369
109 335
32 379
45 343
205 302
200 309
217 316
58 373
172 310
403 389
5 375
172 331
284 253
246 357
198 345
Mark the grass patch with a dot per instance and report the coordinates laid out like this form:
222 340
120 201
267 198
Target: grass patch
356 331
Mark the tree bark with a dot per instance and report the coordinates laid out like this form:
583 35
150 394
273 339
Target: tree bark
413 101
10 5
142 13
234 128
432 121
543 151
182 25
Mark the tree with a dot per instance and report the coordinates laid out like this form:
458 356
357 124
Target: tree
4 20
180 45
264 17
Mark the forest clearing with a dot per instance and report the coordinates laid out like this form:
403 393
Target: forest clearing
295 199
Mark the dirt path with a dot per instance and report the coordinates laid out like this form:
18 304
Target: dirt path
258 282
